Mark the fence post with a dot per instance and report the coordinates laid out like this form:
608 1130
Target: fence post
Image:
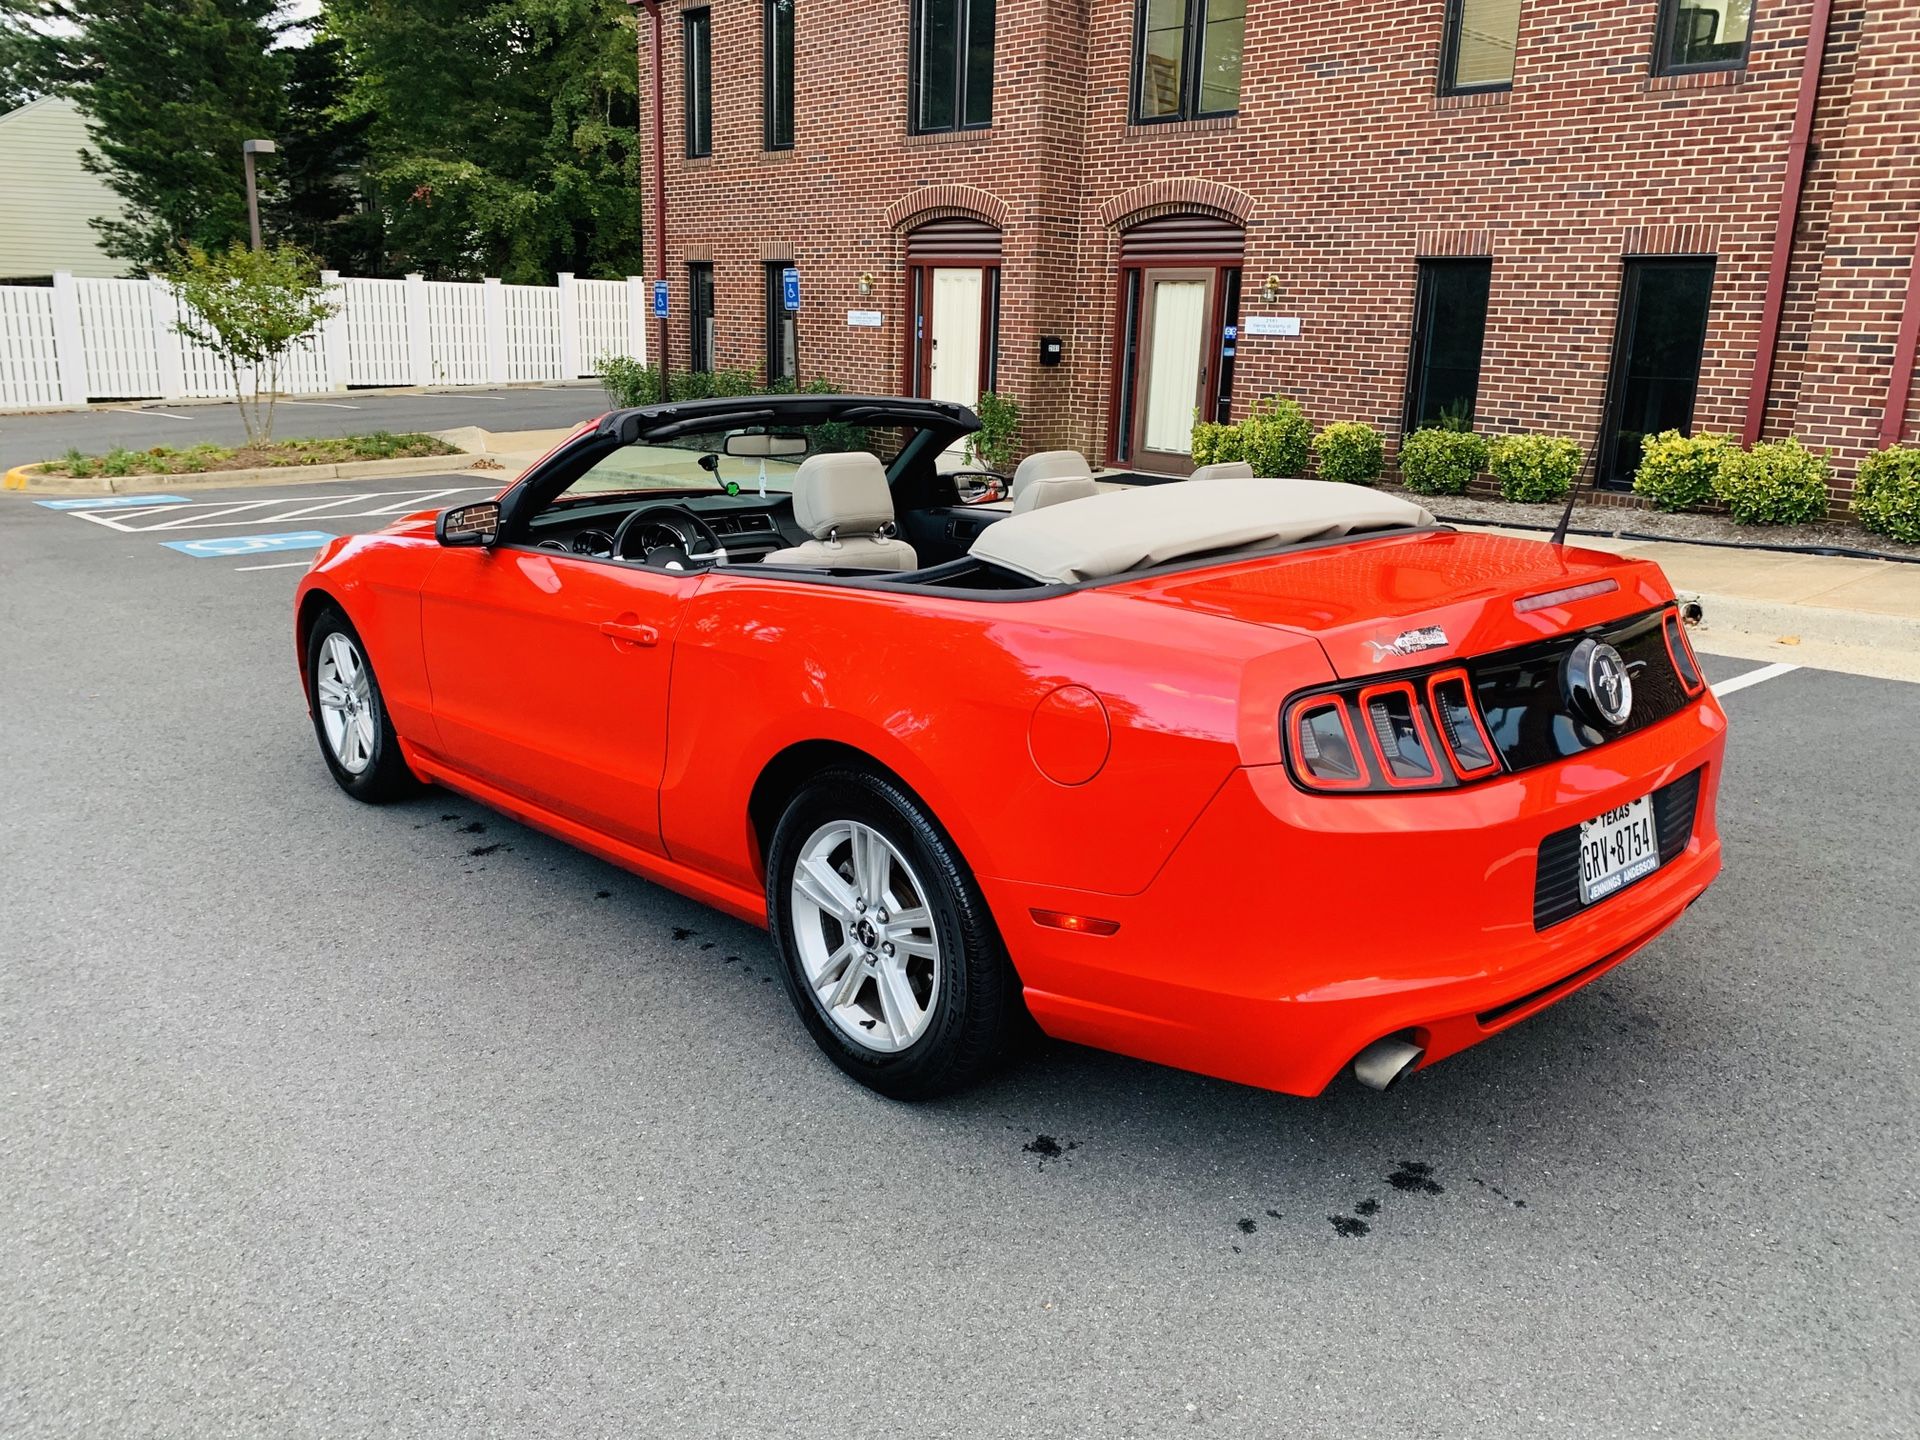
419 348
570 366
68 350
638 312
333 332
495 308
169 345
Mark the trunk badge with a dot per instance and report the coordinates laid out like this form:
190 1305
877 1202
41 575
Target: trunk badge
1409 642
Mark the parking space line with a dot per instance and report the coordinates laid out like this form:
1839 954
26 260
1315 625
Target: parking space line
135 410
321 404
221 514
280 565
1753 677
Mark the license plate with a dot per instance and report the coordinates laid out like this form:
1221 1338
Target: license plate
1617 848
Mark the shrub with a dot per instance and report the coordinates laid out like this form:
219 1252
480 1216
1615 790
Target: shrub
1278 437
1677 472
1775 483
1533 468
1349 452
993 444
1215 444
628 382
1440 461
1886 495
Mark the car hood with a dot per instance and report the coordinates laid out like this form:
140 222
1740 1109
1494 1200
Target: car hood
1363 600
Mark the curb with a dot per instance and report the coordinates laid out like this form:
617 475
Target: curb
23 479
1809 623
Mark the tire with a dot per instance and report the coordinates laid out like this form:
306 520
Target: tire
966 993
358 742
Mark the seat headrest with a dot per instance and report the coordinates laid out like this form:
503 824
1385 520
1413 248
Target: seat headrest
1224 470
1053 490
844 492
1049 465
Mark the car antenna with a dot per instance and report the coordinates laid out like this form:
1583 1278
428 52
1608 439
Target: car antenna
1559 536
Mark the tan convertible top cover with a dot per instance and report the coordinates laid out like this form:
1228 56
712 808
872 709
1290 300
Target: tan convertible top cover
1133 529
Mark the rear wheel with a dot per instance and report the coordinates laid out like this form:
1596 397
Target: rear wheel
888 950
350 715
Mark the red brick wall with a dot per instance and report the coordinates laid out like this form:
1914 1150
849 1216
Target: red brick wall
1346 168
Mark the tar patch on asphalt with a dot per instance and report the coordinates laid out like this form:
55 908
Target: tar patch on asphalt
1349 1227
1046 1147
1415 1177
1489 1186
603 894
1248 1224
488 849
682 932
474 827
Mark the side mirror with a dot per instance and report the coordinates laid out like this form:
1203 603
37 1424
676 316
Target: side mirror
978 488
476 524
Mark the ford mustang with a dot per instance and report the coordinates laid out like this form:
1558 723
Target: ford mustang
1273 780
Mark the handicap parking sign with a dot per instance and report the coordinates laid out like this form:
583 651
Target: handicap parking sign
790 288
659 299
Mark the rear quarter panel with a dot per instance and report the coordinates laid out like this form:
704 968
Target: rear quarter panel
942 691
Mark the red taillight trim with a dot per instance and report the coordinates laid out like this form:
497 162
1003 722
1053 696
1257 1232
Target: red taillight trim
1418 712
1473 712
1297 762
1671 629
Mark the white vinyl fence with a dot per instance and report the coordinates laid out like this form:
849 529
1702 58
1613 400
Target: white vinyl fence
82 340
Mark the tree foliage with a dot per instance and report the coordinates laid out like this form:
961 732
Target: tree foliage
320 193
504 136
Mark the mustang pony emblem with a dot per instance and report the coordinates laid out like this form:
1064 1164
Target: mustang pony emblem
1409 642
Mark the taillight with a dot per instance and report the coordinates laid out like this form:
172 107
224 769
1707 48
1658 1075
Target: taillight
1450 694
1397 729
1325 749
1681 653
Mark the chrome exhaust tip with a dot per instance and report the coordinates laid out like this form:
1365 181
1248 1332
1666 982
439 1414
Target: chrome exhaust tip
1381 1064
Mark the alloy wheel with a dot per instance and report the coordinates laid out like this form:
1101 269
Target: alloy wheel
344 692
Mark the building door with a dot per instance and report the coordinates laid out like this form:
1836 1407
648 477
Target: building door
700 317
1177 332
954 336
1656 359
953 288
783 331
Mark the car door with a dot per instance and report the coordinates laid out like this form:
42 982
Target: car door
549 679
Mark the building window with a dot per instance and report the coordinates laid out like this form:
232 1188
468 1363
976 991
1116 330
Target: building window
696 73
951 80
1656 359
776 58
1187 58
1476 53
1702 35
1449 331
783 341
699 317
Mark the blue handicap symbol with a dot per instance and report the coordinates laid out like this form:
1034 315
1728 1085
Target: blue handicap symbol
112 502
790 288
228 546
660 299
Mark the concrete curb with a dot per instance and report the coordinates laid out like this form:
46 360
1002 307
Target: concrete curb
1860 642
24 478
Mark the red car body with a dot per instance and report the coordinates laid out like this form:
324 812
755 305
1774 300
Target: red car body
1110 762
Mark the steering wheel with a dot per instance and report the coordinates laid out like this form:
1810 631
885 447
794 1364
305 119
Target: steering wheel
665 535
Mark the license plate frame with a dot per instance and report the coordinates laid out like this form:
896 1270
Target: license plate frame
1616 849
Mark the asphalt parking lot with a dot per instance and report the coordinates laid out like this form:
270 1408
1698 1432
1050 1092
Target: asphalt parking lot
323 1120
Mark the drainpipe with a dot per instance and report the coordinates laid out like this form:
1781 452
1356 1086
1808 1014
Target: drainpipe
1893 420
659 173
1790 191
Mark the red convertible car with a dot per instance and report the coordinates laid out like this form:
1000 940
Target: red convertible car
1268 779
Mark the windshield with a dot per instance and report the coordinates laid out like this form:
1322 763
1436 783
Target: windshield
734 460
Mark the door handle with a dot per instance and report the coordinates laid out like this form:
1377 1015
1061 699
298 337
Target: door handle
631 632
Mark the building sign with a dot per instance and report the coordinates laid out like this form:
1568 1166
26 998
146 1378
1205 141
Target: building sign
659 299
865 319
790 288
1273 325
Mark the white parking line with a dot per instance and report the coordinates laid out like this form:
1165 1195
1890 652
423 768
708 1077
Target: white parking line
136 410
321 404
223 514
279 565
1753 677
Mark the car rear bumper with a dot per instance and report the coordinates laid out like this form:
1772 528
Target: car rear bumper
1288 931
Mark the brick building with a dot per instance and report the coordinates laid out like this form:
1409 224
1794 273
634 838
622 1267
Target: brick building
1591 219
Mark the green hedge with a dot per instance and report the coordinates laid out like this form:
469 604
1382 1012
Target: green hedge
1349 452
1275 439
1678 472
1780 482
1441 461
1533 468
1886 494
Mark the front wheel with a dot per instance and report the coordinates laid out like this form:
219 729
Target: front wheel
888 951
350 715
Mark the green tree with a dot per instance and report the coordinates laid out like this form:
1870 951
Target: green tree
504 136
19 56
170 89
250 308
322 199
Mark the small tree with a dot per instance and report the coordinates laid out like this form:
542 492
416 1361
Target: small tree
992 445
250 308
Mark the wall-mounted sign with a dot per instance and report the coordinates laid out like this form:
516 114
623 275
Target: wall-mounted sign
790 288
865 319
1273 325
659 299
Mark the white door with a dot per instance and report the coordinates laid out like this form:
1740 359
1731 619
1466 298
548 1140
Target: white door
954 363
1176 332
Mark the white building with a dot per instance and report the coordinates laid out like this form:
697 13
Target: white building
47 196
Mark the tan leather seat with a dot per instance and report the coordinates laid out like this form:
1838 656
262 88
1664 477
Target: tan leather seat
1224 470
1050 478
843 502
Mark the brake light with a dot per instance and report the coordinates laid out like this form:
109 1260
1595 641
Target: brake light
1450 694
1326 750
1680 652
1397 730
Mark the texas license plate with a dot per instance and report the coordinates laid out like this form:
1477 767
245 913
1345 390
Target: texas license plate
1617 848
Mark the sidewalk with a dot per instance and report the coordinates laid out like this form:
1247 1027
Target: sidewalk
1831 612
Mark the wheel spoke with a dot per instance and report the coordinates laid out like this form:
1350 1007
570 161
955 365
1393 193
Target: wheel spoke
832 968
333 695
897 1001
915 919
363 727
343 657
870 863
822 885
918 948
851 980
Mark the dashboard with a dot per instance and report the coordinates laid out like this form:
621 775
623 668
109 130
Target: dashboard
659 531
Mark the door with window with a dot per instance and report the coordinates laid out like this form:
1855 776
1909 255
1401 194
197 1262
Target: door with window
783 334
1178 327
1656 358
700 317
953 281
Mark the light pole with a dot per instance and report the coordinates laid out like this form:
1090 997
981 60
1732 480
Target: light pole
249 149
